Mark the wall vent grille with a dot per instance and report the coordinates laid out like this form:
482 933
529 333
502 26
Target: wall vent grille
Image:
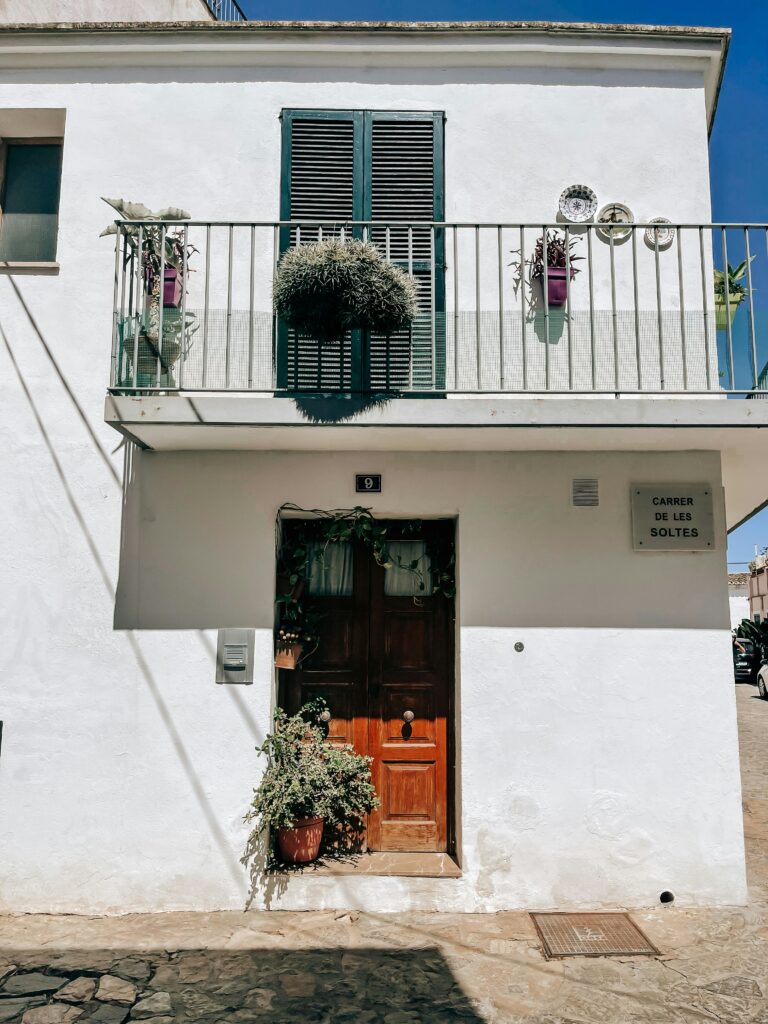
585 493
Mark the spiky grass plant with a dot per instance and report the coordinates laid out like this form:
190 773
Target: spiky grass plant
326 288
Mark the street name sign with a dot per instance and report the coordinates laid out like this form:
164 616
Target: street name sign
672 517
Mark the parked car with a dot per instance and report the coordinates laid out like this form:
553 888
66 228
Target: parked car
744 660
762 680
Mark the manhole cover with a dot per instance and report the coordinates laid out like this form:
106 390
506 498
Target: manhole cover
591 935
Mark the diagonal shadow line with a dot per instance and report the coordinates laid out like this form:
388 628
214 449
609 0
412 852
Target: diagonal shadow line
64 382
236 698
162 707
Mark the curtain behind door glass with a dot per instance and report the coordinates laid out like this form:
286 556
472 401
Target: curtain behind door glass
30 203
400 582
330 569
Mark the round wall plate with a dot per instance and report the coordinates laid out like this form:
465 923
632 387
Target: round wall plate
611 222
578 204
663 235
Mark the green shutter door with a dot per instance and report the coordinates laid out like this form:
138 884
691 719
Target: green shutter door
343 166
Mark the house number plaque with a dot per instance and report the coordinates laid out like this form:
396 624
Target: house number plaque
672 517
368 483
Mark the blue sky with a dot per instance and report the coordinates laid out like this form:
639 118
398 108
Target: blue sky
739 146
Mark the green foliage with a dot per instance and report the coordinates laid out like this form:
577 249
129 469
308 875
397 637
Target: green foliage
326 288
757 632
307 776
736 275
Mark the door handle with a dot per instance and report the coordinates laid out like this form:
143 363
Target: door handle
408 716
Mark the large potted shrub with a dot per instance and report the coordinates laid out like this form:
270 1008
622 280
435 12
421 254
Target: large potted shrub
308 785
324 289
725 312
559 257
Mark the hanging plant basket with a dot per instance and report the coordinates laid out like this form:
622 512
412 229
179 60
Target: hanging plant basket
324 289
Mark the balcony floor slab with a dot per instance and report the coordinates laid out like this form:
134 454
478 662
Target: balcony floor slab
221 421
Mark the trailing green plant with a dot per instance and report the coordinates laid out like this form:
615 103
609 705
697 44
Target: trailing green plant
559 254
324 289
303 543
305 776
735 276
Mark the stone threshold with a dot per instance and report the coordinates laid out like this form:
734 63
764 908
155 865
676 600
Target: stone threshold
396 865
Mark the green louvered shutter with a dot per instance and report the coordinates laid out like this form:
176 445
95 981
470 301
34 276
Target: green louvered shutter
405 182
343 166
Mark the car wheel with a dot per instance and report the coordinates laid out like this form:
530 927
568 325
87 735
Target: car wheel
761 687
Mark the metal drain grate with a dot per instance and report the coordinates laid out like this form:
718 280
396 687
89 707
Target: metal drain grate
591 935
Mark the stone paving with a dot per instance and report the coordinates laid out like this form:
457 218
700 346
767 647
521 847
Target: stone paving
358 968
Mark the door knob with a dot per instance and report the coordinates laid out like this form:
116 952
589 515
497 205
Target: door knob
325 716
408 716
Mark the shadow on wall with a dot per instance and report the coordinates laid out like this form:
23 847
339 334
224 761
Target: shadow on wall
197 786
279 986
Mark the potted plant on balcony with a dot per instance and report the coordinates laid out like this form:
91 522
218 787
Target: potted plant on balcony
308 785
559 256
324 289
156 252
725 313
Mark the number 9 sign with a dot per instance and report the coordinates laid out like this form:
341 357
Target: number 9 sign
368 483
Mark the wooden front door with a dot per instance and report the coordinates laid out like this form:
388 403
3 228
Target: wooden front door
385 667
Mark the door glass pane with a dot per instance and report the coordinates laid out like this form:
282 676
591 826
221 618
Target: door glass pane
330 569
403 582
31 203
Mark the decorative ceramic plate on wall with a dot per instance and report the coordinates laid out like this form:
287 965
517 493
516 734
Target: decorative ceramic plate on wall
578 204
663 235
615 214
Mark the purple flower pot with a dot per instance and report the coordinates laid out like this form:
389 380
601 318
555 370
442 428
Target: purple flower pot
172 288
557 286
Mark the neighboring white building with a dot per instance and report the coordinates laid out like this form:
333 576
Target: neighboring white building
37 12
738 597
568 702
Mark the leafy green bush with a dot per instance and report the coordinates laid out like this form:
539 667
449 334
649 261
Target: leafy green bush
324 289
307 777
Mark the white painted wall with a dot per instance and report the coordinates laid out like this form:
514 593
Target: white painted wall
585 768
125 771
31 12
738 603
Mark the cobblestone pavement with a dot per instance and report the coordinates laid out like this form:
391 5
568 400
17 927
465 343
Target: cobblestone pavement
356 968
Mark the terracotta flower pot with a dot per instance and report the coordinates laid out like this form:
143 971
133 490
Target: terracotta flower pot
300 844
287 656
721 315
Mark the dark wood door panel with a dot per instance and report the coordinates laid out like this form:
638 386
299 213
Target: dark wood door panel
409 640
382 660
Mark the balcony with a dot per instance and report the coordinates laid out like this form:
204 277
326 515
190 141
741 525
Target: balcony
636 313
633 354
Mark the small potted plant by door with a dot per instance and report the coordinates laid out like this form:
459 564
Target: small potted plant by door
559 257
288 648
725 312
308 784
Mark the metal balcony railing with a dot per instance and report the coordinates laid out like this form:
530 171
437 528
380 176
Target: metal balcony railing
635 310
226 10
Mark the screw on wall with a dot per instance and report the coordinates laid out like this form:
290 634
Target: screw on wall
519 646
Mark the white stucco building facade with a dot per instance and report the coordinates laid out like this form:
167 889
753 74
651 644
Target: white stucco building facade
580 770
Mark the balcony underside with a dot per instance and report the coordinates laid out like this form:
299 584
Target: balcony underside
182 421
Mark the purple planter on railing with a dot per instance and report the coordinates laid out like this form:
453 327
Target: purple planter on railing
557 286
172 288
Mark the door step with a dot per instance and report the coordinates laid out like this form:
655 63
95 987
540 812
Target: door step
403 865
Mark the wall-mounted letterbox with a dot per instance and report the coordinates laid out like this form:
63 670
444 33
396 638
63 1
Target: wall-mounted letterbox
234 656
